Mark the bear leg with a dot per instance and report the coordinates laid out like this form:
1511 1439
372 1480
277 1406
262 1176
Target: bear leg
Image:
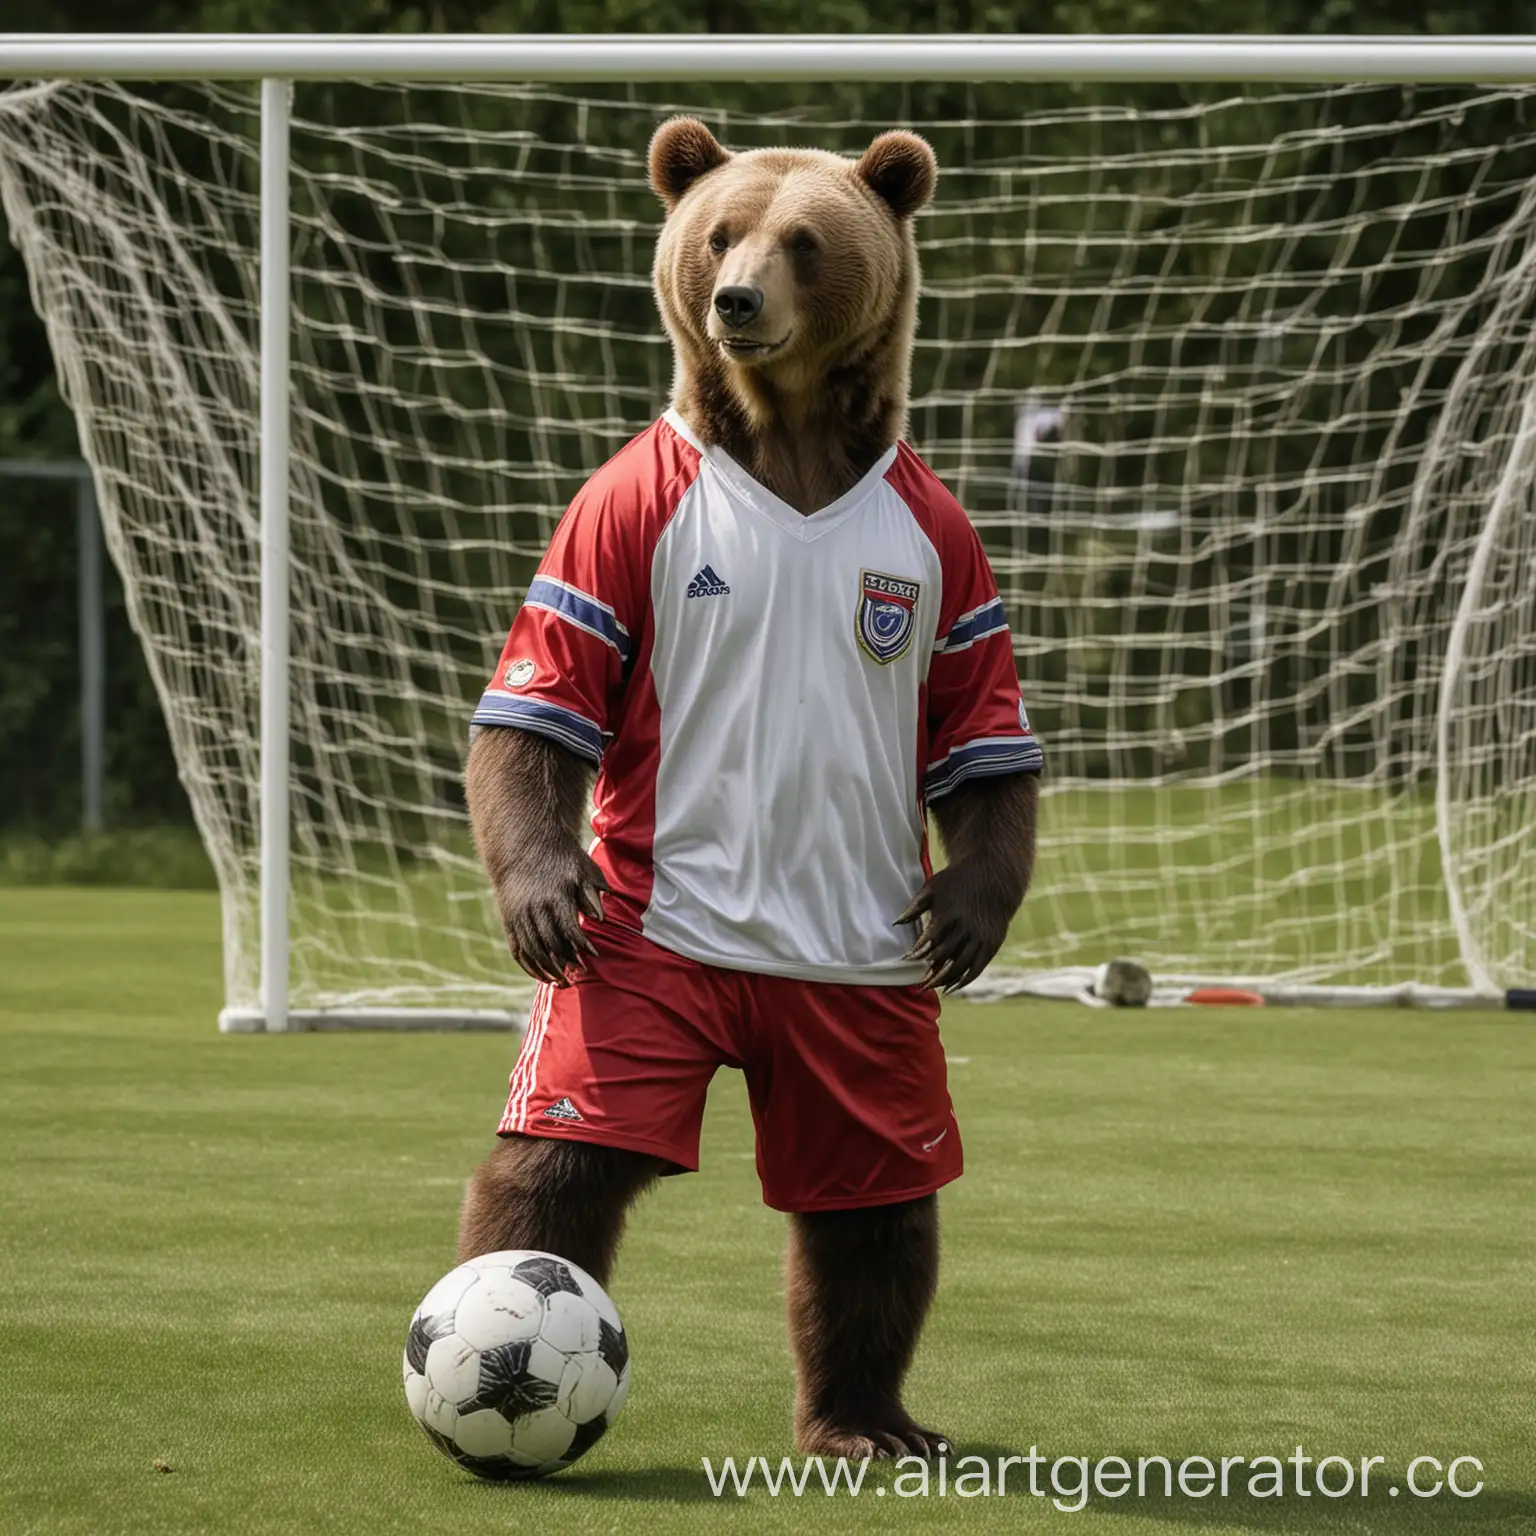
859 1287
564 1197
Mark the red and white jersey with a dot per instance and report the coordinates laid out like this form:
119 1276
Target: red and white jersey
771 698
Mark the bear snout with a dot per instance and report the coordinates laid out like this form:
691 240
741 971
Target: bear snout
738 305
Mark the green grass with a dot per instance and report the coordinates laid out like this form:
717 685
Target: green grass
1217 1233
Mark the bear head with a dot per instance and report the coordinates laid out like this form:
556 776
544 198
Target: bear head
788 282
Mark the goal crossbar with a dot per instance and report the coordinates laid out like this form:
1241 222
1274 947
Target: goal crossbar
652 57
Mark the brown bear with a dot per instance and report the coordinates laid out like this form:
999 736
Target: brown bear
775 636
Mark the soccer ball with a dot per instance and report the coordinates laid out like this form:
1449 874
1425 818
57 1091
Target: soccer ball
1123 983
516 1364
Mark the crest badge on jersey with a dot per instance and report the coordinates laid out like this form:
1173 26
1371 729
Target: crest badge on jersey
887 615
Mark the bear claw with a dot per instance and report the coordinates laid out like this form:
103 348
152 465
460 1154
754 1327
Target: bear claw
872 1442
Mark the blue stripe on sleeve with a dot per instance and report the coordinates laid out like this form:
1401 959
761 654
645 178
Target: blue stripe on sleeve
564 726
987 758
980 624
579 608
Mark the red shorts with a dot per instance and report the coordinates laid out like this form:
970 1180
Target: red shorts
847 1084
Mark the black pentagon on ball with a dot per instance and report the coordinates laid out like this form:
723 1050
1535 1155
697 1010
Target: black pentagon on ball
440 1440
506 1386
587 1435
548 1276
494 1469
612 1346
425 1332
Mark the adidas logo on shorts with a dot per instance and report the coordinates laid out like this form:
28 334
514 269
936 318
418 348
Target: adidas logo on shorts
708 584
562 1109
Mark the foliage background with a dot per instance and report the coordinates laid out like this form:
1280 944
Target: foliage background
39 726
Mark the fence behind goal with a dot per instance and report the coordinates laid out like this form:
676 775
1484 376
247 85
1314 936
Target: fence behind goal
1237 382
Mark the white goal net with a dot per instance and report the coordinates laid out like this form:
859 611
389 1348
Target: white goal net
1239 385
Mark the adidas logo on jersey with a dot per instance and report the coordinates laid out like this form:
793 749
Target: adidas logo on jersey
562 1109
707 584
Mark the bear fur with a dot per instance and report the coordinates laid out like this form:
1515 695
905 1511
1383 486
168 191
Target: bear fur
788 281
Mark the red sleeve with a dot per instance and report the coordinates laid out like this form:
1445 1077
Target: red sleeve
977 725
567 658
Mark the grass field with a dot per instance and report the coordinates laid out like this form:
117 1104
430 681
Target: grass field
1180 1233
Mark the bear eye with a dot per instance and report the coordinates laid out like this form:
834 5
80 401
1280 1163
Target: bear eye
718 243
803 245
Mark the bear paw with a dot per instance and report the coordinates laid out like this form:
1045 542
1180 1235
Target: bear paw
881 1438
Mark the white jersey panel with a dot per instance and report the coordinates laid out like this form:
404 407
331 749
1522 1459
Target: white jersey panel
788 659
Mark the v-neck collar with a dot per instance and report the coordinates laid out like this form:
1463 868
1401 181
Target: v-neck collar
802 525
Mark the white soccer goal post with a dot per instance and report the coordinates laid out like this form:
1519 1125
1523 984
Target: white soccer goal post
1227 345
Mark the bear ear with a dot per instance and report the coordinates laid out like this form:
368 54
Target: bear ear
900 169
682 150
